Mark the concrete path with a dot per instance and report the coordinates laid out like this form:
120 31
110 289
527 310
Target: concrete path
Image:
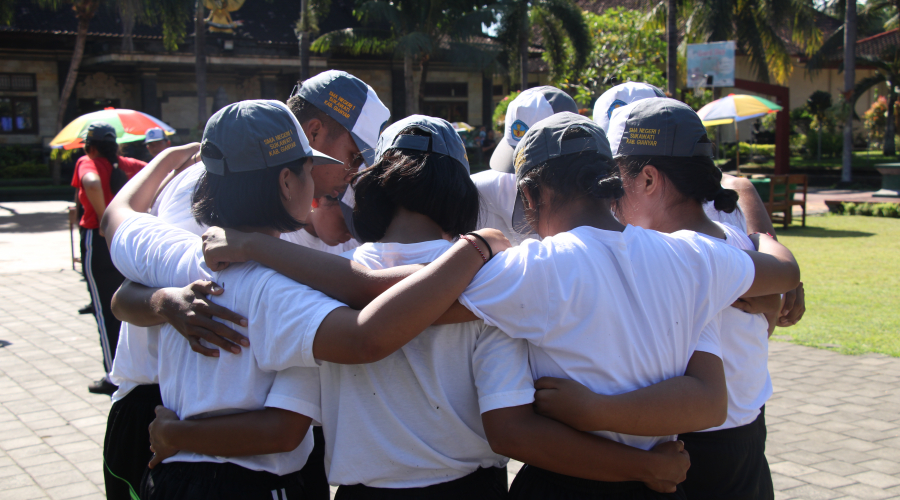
834 421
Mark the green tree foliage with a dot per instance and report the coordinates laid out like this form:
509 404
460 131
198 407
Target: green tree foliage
560 26
755 25
621 52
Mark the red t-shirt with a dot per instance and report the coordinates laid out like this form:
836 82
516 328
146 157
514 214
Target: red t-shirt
103 169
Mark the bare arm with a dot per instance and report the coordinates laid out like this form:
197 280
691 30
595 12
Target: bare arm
187 309
138 194
94 191
260 432
750 203
521 434
405 310
698 400
776 269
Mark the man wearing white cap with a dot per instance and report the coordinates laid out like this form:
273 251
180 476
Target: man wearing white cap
619 96
156 142
497 186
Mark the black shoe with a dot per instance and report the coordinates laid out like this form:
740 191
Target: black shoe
102 386
88 309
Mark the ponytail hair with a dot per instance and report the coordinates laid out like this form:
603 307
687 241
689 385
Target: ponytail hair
586 175
695 177
108 150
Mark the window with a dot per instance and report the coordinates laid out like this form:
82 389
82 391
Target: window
19 82
18 115
450 111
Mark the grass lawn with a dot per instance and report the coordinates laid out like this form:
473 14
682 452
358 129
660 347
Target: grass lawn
851 273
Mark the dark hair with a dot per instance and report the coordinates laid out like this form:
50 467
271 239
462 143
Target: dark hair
305 111
695 177
107 149
431 184
250 199
586 175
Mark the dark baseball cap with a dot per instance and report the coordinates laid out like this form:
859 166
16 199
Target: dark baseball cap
658 127
444 140
530 107
352 103
254 135
100 131
545 141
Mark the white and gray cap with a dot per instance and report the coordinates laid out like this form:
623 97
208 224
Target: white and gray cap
255 135
530 107
622 95
352 103
442 140
658 127
546 141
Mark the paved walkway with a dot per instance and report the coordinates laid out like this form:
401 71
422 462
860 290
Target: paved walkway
834 421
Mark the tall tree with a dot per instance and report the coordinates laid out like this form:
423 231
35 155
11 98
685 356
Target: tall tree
415 30
849 84
200 62
553 21
672 47
306 28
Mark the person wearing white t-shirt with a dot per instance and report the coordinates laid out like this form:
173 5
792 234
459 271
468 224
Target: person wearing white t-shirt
497 185
664 190
607 306
326 229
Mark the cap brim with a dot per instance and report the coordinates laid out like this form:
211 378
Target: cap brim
502 159
155 140
320 158
368 152
519 223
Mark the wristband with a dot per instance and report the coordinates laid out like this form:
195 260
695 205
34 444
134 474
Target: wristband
490 250
472 242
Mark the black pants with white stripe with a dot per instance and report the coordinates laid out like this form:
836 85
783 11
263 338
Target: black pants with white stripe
729 463
103 280
214 481
534 483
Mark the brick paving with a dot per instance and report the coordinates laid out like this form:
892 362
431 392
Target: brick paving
834 420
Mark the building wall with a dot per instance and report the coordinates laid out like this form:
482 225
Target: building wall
47 93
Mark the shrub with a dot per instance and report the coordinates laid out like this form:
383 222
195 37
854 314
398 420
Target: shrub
869 209
500 111
27 170
747 150
832 144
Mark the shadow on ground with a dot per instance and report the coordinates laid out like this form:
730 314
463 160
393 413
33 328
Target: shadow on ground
821 232
41 222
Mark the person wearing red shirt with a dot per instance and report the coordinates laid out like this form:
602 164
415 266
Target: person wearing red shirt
98 177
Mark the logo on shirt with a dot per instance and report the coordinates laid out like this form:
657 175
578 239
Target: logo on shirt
618 103
518 129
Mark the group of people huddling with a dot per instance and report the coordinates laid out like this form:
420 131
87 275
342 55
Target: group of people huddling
578 307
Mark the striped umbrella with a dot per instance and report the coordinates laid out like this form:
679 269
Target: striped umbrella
736 108
130 126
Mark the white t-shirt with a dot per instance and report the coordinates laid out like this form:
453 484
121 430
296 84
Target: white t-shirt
615 311
303 238
283 316
745 353
136 352
497 200
735 218
414 418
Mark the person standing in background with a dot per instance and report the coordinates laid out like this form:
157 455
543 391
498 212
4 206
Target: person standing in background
156 142
99 174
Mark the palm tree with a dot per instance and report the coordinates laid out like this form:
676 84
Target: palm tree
413 29
755 25
306 27
849 84
200 61
888 67
554 21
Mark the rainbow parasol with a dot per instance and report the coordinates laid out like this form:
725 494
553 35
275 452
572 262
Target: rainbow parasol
130 126
736 108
